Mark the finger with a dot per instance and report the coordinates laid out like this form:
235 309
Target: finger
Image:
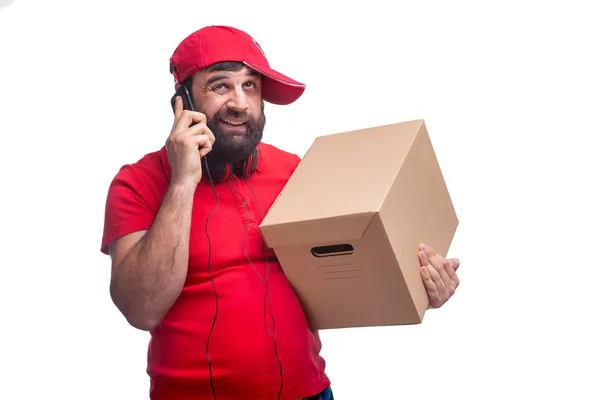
210 135
188 118
452 276
431 289
201 129
204 145
178 108
455 263
437 262
433 276
204 130
423 259
440 284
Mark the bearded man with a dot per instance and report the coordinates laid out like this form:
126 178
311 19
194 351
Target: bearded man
188 262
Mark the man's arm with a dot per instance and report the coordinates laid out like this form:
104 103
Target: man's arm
149 267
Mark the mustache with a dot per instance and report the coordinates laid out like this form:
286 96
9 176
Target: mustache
232 114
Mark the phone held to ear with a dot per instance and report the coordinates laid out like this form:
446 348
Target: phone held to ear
188 104
185 96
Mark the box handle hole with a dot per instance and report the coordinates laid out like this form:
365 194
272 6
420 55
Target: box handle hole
332 250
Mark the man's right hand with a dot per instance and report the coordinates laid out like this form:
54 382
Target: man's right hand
187 144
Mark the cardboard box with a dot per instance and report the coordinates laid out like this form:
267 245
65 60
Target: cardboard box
348 224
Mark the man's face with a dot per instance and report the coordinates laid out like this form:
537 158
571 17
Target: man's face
231 101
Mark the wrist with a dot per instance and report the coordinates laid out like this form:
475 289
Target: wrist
182 187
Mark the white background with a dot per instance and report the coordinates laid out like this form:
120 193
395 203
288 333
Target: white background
510 95
5 3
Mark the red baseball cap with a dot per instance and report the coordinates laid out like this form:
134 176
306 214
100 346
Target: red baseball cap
213 44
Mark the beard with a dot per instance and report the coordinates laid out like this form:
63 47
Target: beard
237 146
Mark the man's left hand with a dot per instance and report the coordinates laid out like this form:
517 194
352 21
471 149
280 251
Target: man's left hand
439 275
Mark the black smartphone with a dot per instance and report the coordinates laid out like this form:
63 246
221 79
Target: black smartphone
188 104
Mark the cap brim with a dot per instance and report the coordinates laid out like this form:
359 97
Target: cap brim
276 87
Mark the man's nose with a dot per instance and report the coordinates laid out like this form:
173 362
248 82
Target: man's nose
238 100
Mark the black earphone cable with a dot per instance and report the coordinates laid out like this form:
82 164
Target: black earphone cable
267 298
188 98
189 104
212 384
267 294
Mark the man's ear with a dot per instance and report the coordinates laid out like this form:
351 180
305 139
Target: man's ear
177 86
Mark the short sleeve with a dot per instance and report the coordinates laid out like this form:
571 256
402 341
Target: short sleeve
297 160
131 205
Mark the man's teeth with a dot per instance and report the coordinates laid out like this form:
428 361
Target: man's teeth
233 122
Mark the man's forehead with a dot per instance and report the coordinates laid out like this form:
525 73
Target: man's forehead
244 71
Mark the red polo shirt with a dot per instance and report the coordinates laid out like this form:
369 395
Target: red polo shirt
241 349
